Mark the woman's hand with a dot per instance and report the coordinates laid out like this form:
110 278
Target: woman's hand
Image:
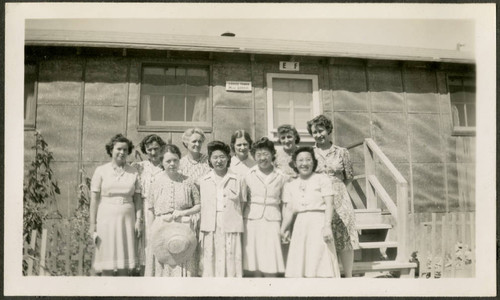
327 234
285 237
178 213
138 228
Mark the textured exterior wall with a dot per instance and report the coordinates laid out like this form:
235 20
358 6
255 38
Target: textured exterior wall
405 109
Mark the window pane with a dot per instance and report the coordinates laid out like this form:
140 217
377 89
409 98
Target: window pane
458 114
175 81
281 116
301 118
156 108
174 110
291 94
463 100
153 81
185 90
471 115
196 108
29 91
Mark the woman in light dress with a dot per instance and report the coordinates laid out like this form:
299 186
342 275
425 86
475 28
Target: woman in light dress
174 198
335 162
195 163
289 139
262 254
221 216
241 162
116 211
310 196
149 169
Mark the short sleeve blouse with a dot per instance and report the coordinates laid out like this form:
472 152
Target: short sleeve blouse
111 182
168 195
307 195
334 162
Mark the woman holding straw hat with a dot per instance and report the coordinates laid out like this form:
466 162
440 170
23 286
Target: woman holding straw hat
173 212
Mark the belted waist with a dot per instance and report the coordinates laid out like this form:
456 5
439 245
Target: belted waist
116 199
265 201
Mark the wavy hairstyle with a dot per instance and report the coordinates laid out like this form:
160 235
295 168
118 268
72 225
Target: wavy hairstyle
322 121
151 139
286 128
118 138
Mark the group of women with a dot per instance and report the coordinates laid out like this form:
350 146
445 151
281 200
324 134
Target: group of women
262 212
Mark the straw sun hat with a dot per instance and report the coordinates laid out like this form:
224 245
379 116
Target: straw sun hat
172 243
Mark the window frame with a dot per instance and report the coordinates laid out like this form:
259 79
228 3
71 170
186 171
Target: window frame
460 130
176 126
30 120
317 107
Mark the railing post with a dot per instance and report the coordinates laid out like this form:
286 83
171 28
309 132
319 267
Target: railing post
402 203
43 253
371 197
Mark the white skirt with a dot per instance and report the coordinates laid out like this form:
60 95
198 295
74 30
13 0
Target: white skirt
262 247
221 252
115 248
309 255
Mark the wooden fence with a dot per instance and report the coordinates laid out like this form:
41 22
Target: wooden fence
445 244
53 254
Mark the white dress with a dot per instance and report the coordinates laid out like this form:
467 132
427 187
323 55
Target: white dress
115 220
309 255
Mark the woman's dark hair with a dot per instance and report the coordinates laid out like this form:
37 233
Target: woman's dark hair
218 145
119 138
322 121
263 143
300 150
239 134
283 129
171 148
150 139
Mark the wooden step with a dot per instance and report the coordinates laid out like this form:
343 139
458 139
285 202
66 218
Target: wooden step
368 216
372 226
378 266
375 245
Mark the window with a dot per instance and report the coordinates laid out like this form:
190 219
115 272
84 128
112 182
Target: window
30 90
176 97
463 104
292 99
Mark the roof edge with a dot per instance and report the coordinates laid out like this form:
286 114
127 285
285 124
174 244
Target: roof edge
75 38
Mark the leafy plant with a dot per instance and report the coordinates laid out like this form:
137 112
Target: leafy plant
40 189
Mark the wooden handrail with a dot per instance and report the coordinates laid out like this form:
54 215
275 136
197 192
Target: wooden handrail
384 196
394 172
374 188
354 145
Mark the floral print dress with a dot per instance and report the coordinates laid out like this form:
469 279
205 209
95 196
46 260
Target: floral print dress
336 163
194 169
166 196
282 163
